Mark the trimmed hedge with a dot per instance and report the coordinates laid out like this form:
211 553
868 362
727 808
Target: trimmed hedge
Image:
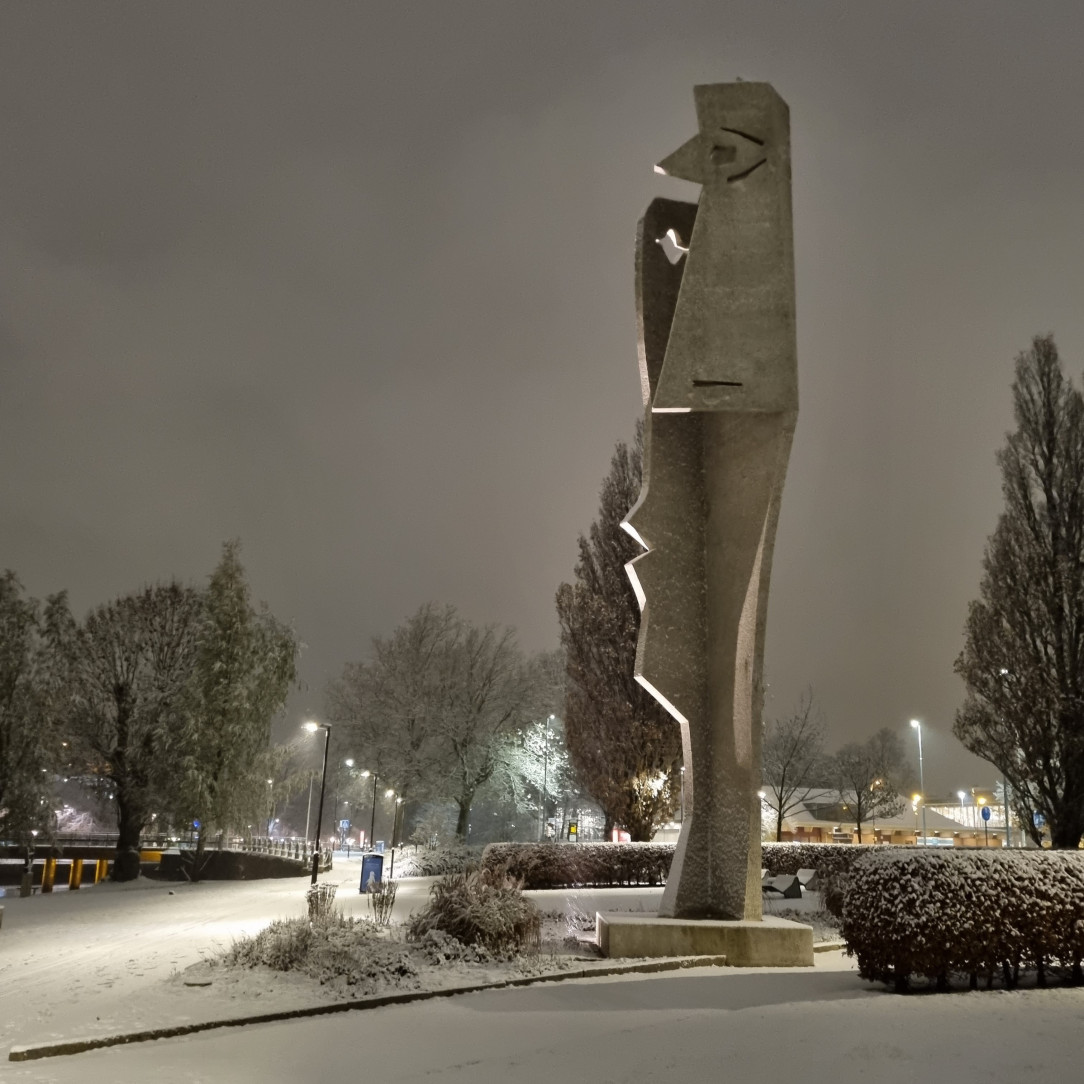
828 859
437 861
938 914
566 865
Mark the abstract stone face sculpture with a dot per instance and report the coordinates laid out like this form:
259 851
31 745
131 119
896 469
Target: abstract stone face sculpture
718 367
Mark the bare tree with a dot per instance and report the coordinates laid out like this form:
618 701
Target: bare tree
1023 657
623 744
436 707
868 777
793 759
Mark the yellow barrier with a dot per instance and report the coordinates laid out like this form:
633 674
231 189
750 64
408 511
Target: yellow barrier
75 874
48 875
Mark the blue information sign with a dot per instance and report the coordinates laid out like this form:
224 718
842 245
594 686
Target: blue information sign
372 869
986 813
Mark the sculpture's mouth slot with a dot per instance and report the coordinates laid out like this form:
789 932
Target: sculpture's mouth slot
717 383
745 173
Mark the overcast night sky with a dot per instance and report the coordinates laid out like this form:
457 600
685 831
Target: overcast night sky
353 283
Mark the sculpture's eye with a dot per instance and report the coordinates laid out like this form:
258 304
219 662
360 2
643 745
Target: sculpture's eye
743 155
672 244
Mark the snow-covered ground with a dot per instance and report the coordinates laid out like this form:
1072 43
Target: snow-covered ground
100 960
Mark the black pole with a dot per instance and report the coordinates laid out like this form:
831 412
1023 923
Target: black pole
372 822
320 811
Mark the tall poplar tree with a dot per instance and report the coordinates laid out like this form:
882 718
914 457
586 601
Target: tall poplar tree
245 662
623 744
1023 657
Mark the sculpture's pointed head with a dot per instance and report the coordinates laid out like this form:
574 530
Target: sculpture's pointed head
735 136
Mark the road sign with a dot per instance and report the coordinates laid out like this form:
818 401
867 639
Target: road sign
985 812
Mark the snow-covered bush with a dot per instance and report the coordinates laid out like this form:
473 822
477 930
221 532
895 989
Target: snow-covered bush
438 861
321 900
382 901
936 914
550 865
480 908
348 952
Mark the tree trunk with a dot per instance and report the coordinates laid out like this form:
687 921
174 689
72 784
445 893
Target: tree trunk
463 820
1065 835
130 827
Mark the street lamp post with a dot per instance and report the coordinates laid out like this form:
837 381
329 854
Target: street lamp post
372 819
921 780
545 777
312 728
683 794
961 794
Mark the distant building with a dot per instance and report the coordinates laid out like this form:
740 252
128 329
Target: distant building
825 817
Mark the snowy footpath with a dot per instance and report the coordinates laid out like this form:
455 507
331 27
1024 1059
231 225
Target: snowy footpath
112 958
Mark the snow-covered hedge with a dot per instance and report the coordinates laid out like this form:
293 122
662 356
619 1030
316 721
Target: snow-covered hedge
561 865
437 861
828 859
937 914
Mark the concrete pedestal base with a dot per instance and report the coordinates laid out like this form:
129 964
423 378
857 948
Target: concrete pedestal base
772 942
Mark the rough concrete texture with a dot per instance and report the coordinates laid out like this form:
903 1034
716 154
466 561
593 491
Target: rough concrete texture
767 942
718 367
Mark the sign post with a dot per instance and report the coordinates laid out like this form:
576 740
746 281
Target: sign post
986 823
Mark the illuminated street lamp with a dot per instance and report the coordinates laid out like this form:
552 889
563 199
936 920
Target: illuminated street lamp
312 727
545 778
921 780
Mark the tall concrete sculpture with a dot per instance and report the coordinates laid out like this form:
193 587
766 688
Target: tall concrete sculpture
718 366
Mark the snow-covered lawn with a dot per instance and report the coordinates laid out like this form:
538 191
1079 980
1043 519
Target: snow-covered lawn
100 960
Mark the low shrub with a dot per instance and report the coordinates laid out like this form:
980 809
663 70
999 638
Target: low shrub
321 900
348 952
286 944
938 914
480 908
382 901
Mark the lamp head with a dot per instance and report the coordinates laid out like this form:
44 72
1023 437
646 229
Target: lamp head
916 724
349 762
310 726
